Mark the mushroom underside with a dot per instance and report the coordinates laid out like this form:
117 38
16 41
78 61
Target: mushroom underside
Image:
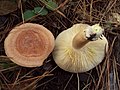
78 60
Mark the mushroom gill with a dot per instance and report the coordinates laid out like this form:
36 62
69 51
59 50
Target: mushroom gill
80 48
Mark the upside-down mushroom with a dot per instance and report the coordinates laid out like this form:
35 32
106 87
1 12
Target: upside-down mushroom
80 48
29 44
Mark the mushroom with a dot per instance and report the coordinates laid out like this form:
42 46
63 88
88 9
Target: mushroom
80 48
29 44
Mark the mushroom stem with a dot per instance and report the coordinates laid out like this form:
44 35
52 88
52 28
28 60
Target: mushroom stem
79 40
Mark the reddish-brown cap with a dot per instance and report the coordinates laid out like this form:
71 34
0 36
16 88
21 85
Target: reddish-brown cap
29 44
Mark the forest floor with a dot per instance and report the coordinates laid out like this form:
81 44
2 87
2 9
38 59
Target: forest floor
61 14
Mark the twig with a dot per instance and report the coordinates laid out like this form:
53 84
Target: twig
108 75
86 86
62 4
16 78
91 4
108 9
23 20
68 82
8 68
78 81
46 82
104 64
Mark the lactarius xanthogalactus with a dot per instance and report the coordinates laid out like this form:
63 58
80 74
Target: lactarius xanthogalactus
80 48
29 44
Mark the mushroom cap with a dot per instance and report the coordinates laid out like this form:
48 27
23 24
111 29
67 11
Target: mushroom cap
29 44
78 60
